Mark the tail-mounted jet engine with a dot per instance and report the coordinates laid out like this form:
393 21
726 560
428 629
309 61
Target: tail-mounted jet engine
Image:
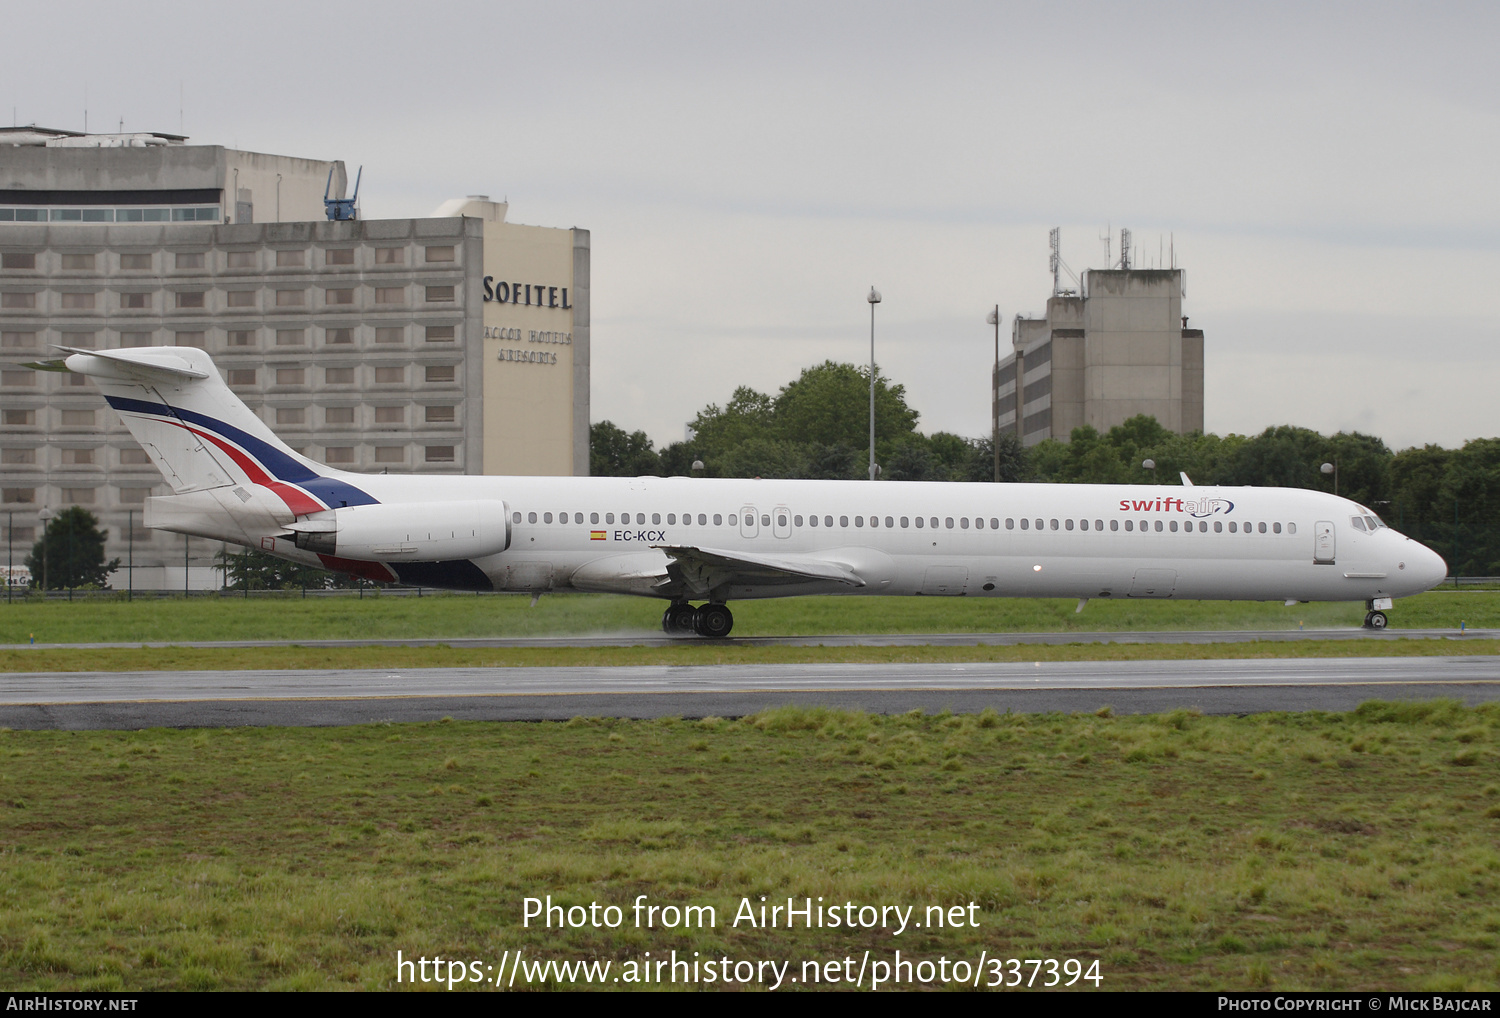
407 532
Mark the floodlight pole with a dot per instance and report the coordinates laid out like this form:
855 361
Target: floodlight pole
874 298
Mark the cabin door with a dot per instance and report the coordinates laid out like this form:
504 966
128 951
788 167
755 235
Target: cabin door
1323 541
749 522
781 521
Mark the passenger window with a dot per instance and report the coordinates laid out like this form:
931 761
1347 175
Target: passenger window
671 519
1068 524
1039 524
1218 526
578 517
812 521
1098 524
593 517
765 520
1145 526
1083 524
796 521
1025 524
921 523
515 517
703 520
905 522
546 517
609 517
1054 524
655 519
718 519
889 522
932 521
1291 528
1130 525
781 520
1276 528
531 517
979 523
995 523
1114 524
828 521
948 522
1262 528
734 520
640 518
859 521
963 523
843 521
1233 527
1174 526
1158 526
1010 523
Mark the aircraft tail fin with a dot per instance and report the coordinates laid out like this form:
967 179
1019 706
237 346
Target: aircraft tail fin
199 434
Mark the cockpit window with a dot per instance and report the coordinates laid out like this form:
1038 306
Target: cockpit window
1357 522
1374 522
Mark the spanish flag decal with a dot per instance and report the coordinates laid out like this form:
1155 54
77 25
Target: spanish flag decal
596 535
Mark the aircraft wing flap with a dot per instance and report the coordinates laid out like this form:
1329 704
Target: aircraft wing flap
701 571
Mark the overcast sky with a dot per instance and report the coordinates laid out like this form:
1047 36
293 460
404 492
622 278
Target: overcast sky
1327 174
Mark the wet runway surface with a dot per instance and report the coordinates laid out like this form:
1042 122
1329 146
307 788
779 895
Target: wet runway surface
84 700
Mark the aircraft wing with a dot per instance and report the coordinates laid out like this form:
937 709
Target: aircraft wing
701 571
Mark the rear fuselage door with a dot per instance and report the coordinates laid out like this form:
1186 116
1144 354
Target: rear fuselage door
781 521
749 522
1323 542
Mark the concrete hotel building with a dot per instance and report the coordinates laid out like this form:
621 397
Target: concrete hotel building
456 344
1121 349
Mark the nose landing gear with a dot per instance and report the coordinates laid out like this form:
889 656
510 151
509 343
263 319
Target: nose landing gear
711 620
1375 619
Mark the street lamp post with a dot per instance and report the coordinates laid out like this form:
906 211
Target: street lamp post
873 298
994 319
46 517
1332 468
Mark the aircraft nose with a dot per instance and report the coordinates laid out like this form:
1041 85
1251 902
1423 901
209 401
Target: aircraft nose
1425 566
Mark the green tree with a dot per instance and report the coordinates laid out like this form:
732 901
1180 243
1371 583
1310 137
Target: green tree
256 570
612 453
748 414
1469 499
1416 480
71 553
762 457
830 403
1013 459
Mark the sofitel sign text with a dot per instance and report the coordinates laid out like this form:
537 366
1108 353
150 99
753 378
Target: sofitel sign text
527 294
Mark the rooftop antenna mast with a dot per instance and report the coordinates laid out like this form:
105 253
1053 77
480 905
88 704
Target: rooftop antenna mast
1124 248
1058 266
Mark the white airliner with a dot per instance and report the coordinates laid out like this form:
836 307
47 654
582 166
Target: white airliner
713 541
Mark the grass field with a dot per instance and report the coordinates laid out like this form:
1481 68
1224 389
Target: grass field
456 616
1277 851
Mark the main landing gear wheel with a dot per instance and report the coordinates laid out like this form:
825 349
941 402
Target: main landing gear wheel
714 620
1375 620
680 619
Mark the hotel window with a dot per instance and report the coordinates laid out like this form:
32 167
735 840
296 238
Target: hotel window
242 337
390 294
440 373
390 256
17 340
339 256
73 381
17 300
290 298
390 334
440 454
78 496
291 337
18 260
134 496
390 376
196 339
439 414
390 454
78 418
289 259
20 496
439 333
17 457
80 339
135 263
190 299
78 262
134 457
241 259
438 294
339 415
338 335
78 457
288 376
17 377
128 339
241 299
440 254
338 454
340 296
339 376
390 415
77 301
18 418
192 260
290 415
241 376
135 300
